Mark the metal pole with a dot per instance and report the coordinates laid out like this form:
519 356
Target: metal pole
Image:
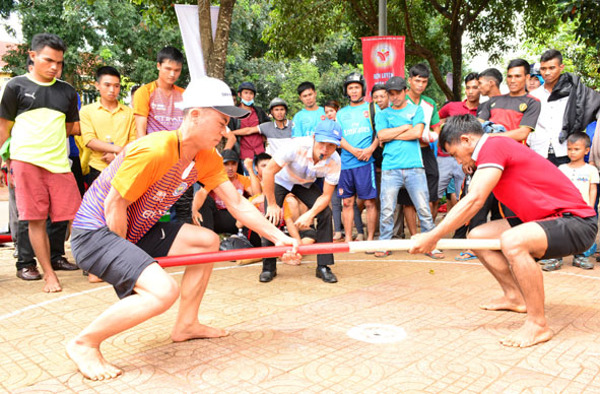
383 30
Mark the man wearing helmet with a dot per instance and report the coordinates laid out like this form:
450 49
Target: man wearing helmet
357 178
278 131
251 144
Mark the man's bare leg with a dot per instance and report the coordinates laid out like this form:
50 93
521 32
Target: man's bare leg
497 264
348 217
434 206
410 214
189 240
520 245
372 216
41 247
155 291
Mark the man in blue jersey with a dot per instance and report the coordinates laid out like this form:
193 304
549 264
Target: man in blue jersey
400 127
357 178
306 120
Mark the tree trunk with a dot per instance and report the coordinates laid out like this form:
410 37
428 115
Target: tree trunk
206 37
457 57
218 56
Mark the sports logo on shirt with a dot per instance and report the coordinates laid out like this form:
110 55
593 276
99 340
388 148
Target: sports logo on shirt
322 117
180 189
366 114
522 107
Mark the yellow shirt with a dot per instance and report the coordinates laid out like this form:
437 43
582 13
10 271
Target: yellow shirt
97 122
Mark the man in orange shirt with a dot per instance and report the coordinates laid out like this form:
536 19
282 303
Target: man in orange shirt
117 234
155 104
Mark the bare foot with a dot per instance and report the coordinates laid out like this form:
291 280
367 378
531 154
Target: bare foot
52 284
90 362
196 331
94 279
528 335
504 304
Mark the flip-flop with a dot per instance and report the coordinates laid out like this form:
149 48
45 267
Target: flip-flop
435 254
369 252
383 253
465 256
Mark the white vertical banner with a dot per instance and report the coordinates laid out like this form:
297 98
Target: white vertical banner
187 16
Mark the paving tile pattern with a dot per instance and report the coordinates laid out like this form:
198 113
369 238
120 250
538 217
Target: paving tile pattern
290 335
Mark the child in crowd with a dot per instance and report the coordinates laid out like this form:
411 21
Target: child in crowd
586 179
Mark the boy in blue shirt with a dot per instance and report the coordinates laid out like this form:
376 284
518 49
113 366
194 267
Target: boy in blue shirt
305 121
357 178
400 128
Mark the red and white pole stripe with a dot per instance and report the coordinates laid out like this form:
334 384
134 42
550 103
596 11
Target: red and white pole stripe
322 248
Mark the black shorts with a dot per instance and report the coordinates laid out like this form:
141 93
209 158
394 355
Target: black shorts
432 173
567 235
118 261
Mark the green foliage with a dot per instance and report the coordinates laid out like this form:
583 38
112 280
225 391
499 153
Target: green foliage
249 58
584 13
578 57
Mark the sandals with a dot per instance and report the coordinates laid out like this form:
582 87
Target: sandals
383 253
465 256
551 264
435 254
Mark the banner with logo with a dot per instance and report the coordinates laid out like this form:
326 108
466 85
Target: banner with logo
383 58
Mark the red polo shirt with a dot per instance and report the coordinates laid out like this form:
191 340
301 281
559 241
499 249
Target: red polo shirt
531 186
454 108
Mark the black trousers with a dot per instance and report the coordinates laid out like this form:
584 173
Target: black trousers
324 221
57 233
218 220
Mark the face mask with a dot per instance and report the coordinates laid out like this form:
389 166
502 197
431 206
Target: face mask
248 103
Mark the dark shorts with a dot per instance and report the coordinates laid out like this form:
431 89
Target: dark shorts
308 233
118 261
359 181
567 235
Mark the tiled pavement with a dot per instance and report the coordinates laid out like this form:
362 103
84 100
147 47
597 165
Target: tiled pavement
291 335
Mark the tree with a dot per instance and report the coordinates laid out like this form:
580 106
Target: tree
582 13
432 28
213 50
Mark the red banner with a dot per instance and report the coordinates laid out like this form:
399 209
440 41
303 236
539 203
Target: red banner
383 58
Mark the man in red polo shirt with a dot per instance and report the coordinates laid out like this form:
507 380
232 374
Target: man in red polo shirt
548 224
449 168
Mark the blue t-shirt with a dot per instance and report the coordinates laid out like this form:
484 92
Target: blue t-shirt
305 122
398 154
357 131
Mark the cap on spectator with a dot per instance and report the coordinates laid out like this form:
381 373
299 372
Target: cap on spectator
207 92
248 86
395 83
230 155
328 131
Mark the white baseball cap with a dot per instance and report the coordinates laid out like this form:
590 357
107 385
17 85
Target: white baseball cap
207 92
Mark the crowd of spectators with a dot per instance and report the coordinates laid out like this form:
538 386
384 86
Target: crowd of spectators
388 172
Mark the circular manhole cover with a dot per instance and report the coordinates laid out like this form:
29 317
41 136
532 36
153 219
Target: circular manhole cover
377 333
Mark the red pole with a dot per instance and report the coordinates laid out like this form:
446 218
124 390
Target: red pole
4 238
250 253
